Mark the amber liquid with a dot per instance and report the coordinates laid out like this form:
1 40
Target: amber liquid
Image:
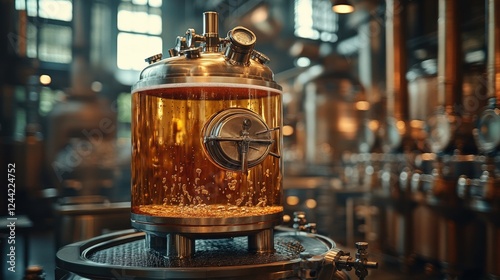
173 176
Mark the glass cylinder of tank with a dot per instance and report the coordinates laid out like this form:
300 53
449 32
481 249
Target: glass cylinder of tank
205 150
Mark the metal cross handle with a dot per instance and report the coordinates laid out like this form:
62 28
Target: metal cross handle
249 136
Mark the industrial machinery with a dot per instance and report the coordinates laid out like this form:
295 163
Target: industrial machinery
207 176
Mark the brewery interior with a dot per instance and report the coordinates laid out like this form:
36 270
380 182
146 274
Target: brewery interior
390 129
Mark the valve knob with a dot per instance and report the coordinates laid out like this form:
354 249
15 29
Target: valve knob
154 58
260 57
361 245
299 220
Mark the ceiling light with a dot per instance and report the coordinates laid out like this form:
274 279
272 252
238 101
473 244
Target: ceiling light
342 6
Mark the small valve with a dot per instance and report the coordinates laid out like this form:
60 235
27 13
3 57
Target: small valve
300 223
180 45
362 263
340 260
311 228
154 58
260 57
237 46
334 260
299 220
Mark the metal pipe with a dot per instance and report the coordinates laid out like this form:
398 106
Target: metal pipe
211 31
449 54
397 97
80 69
262 241
493 64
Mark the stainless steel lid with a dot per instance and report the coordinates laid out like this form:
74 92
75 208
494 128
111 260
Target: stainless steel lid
207 58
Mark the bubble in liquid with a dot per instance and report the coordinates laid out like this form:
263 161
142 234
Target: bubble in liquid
155 159
239 201
232 185
198 171
164 180
262 202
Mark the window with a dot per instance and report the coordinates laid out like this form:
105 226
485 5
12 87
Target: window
55 43
315 20
139 25
48 29
55 9
134 48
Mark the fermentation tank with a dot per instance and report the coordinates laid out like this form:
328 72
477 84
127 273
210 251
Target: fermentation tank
206 186
206 142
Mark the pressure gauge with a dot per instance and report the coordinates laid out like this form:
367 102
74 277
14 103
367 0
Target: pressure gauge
241 36
241 43
487 132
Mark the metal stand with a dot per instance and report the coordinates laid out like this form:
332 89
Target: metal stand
175 245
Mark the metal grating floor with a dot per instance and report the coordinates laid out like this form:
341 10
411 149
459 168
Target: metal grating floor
209 253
